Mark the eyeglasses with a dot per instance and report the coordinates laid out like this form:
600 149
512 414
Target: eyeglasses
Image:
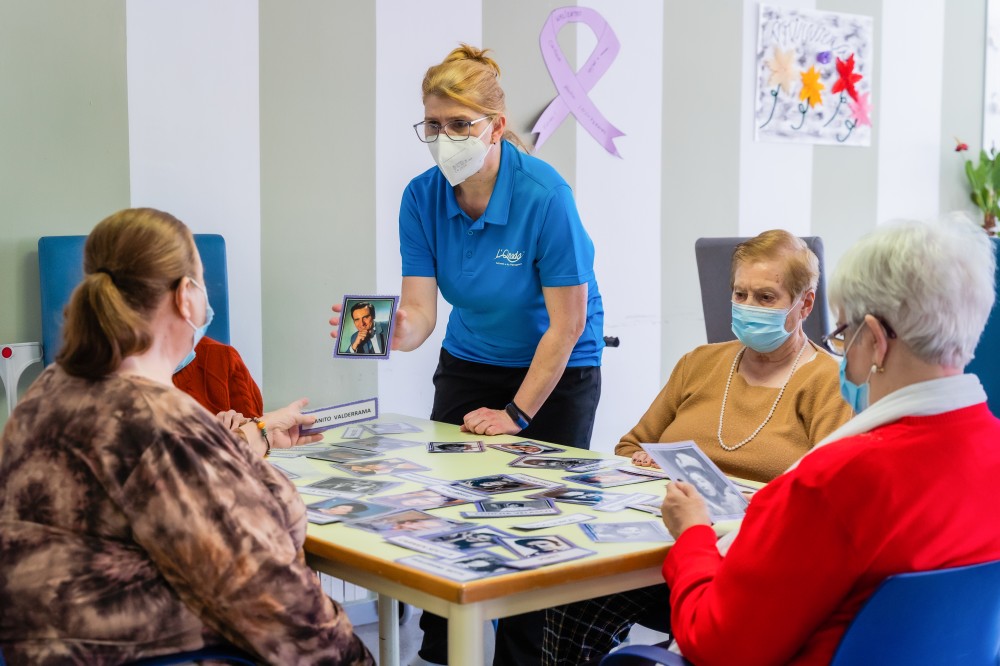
836 343
457 130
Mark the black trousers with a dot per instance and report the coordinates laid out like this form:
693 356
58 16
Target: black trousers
566 418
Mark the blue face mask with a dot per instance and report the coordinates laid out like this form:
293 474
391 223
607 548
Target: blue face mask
760 329
199 331
856 395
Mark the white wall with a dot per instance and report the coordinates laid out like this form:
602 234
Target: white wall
194 135
625 227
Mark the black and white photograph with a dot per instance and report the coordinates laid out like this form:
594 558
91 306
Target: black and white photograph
340 454
473 538
546 462
366 324
538 544
455 447
526 448
607 478
478 565
408 521
496 483
647 530
584 496
379 444
344 509
424 498
512 508
394 428
381 466
345 487
686 462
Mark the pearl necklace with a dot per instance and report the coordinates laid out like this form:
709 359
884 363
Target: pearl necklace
725 396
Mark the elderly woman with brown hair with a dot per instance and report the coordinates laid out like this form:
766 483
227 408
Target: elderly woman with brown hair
754 406
132 522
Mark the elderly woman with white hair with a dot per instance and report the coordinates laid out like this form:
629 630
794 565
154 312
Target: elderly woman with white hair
908 485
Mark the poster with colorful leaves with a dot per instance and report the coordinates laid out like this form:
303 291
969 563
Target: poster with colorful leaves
814 72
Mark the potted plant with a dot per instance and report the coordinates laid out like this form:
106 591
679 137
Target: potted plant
984 181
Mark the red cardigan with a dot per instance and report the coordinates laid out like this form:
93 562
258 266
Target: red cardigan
918 494
219 380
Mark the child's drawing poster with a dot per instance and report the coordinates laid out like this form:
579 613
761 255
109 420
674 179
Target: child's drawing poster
814 73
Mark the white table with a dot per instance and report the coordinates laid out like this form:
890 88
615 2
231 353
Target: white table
365 559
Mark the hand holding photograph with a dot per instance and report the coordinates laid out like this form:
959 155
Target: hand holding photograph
366 325
684 461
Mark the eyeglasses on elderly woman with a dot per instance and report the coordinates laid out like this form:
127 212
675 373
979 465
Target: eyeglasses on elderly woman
835 341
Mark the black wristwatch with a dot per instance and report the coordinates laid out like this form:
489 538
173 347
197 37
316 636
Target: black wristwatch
517 415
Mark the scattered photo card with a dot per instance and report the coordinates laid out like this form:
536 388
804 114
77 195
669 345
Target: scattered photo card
545 462
455 447
607 478
339 454
366 325
288 474
650 472
649 530
526 448
393 428
381 466
684 461
567 519
538 544
511 508
379 444
421 499
353 432
338 509
496 483
479 565
649 506
584 496
466 539
338 486
407 521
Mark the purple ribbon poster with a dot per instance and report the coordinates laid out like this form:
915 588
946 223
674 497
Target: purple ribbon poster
572 87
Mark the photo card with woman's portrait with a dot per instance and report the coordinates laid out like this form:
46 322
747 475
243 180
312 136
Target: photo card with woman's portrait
606 478
366 325
468 538
408 521
456 447
526 448
496 483
550 462
684 461
343 509
339 486
631 532
425 498
381 466
496 508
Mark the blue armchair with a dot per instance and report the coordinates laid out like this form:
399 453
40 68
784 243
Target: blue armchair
947 616
60 269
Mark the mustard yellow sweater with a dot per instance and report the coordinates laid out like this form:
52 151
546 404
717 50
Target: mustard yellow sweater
688 409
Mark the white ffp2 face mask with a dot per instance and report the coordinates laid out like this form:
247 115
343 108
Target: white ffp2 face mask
458 160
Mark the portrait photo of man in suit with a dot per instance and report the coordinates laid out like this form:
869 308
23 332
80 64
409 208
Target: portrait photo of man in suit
371 336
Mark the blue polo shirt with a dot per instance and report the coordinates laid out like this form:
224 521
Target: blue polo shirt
492 270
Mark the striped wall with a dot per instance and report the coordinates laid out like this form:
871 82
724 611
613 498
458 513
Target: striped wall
285 126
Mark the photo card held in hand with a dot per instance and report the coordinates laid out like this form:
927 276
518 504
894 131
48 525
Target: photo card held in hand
366 325
684 461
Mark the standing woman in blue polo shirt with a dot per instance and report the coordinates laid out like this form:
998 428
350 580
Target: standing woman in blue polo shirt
497 231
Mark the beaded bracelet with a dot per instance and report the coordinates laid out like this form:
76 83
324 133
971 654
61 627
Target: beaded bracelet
263 433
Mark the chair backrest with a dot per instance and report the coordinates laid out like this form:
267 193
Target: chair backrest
986 364
60 269
714 257
948 616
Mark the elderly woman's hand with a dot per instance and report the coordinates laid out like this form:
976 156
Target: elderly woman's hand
232 419
642 459
283 425
682 508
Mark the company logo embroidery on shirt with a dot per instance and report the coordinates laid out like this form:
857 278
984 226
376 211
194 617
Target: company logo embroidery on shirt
508 258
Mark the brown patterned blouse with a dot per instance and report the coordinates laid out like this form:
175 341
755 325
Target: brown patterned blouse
133 524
